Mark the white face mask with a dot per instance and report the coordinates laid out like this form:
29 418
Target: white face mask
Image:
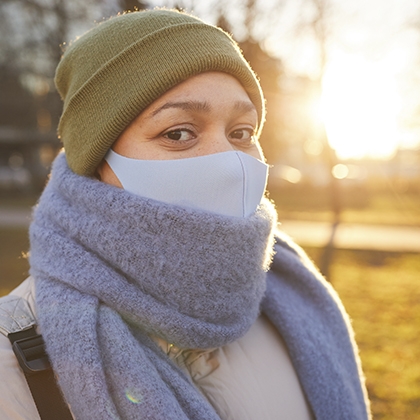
229 183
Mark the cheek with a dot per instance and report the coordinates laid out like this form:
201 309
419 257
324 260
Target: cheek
131 144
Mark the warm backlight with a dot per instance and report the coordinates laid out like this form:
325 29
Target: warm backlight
360 108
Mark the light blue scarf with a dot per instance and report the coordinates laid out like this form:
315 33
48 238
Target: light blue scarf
112 268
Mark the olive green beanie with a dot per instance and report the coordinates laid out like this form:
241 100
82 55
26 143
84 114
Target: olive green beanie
114 71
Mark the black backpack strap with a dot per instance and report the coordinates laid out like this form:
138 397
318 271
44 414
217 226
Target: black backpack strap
18 323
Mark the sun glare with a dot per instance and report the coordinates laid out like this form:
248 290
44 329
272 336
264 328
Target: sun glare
360 106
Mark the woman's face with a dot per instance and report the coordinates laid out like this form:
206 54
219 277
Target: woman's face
208 113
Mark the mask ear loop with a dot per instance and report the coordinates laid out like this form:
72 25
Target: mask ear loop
111 159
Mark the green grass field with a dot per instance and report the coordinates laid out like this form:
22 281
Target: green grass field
381 292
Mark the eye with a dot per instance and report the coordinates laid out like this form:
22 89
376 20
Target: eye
179 135
242 134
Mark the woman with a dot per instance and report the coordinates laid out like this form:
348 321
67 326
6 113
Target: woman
151 245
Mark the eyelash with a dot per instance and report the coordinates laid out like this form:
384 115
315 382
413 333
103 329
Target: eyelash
251 133
192 135
179 130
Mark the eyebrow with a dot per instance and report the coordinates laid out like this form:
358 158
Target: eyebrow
198 106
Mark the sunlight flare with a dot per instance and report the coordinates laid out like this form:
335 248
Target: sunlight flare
360 106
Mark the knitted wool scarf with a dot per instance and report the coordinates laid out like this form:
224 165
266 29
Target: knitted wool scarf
112 269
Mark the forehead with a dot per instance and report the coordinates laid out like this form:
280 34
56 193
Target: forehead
206 88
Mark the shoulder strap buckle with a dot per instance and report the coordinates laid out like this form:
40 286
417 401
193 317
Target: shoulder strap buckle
31 354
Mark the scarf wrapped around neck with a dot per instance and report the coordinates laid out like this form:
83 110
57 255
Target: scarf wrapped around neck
113 269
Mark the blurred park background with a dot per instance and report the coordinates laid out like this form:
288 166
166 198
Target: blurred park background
342 82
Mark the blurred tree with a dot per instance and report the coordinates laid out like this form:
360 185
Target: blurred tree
17 105
319 22
31 35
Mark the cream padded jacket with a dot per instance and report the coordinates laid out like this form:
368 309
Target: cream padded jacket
250 379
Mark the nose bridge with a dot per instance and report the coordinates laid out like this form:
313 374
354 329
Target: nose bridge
218 140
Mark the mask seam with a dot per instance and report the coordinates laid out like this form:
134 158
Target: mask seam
243 184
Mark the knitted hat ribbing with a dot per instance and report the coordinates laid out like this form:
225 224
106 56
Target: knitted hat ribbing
114 71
